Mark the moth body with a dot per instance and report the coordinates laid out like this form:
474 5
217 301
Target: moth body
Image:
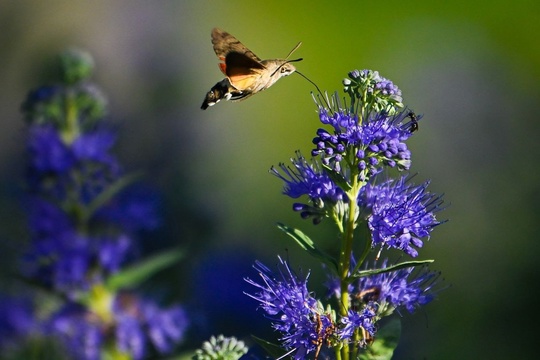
246 74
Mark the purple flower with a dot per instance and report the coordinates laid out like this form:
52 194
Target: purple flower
136 325
130 337
142 322
16 320
375 142
112 252
48 153
399 289
291 307
46 219
374 84
358 320
133 209
95 146
83 218
69 262
57 168
309 179
400 214
166 327
79 330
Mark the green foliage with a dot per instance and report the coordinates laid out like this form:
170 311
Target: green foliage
134 275
385 342
307 244
75 66
403 265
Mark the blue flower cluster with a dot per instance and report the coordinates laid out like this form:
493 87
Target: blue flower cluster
377 142
399 214
347 181
305 324
310 179
367 85
84 215
136 326
294 311
405 288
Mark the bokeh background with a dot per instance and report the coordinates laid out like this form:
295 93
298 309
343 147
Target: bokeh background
472 69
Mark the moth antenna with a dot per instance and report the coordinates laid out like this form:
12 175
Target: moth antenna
316 87
293 50
290 53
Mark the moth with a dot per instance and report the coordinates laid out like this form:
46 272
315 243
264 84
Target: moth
246 74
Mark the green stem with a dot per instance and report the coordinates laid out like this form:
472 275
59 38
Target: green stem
71 130
345 256
356 340
338 354
365 252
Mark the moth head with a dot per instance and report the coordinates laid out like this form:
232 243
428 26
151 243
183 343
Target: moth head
286 68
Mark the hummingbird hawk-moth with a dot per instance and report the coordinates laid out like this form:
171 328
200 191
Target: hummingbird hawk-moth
246 74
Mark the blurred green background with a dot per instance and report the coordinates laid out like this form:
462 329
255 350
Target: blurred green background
472 69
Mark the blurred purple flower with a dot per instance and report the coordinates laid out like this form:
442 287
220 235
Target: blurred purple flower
137 326
16 320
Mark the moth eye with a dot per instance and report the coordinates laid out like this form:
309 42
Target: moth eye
283 70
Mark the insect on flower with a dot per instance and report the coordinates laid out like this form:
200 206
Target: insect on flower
414 121
246 74
367 295
323 332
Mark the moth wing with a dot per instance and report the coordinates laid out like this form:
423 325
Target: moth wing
242 70
225 43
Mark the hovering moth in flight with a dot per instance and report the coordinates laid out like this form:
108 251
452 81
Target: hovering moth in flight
246 74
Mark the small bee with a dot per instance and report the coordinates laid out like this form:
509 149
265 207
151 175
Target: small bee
366 295
414 121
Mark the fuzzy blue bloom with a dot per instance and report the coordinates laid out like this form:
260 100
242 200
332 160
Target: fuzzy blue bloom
95 147
165 327
376 142
133 209
130 336
400 214
141 323
403 288
309 179
356 320
138 326
48 153
79 331
17 320
291 307
56 167
83 216
70 262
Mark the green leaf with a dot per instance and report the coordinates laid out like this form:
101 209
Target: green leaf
386 341
139 272
274 350
307 244
109 193
337 178
406 264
